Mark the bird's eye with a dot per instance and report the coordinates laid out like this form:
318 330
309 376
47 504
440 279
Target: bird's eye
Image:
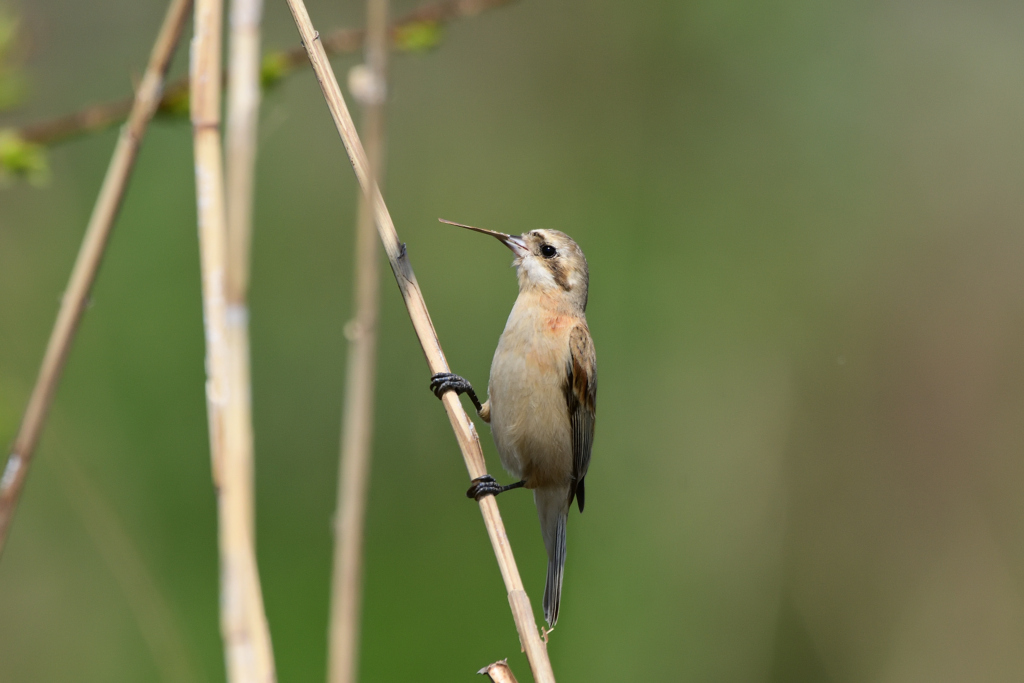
548 251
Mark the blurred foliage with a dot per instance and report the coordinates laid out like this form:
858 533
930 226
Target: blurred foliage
273 68
21 159
175 104
418 36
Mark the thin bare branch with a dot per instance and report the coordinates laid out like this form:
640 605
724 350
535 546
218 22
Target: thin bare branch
369 83
247 647
465 433
280 64
499 672
87 264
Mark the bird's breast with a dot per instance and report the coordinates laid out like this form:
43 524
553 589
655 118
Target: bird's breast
529 414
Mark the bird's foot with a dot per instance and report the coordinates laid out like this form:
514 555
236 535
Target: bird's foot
445 381
483 486
449 381
486 486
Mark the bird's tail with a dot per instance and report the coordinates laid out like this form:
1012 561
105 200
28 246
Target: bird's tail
553 509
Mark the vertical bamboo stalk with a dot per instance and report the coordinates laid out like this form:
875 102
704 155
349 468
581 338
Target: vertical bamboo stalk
87 264
369 83
247 647
465 433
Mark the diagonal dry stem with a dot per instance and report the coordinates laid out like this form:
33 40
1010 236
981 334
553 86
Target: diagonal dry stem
247 648
108 204
465 433
369 83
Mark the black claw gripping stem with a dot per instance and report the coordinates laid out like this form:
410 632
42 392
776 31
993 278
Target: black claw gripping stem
486 486
449 381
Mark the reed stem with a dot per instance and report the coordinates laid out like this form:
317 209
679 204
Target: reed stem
247 648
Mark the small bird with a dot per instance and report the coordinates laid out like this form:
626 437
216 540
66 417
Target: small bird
543 389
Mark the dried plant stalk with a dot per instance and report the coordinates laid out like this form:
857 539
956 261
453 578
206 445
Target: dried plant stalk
499 672
370 86
465 433
240 169
240 139
248 652
87 264
241 143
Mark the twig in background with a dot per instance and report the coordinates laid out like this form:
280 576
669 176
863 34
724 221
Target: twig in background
465 433
499 672
247 648
275 66
368 83
159 628
87 264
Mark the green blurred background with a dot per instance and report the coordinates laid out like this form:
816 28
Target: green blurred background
804 228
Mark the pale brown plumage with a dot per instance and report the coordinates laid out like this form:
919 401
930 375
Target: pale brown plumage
543 388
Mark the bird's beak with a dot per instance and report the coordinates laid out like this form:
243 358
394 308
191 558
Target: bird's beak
516 244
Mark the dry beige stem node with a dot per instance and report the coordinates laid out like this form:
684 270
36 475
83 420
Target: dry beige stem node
499 672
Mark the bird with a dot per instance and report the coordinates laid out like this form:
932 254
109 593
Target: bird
542 391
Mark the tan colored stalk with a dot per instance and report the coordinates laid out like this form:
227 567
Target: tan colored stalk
247 648
369 85
499 672
240 139
87 264
339 41
465 433
240 175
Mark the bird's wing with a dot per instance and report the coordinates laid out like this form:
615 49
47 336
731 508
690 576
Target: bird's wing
581 398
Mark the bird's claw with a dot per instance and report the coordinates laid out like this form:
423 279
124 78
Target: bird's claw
448 381
484 486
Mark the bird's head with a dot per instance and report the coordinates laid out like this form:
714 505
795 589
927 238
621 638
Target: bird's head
548 261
